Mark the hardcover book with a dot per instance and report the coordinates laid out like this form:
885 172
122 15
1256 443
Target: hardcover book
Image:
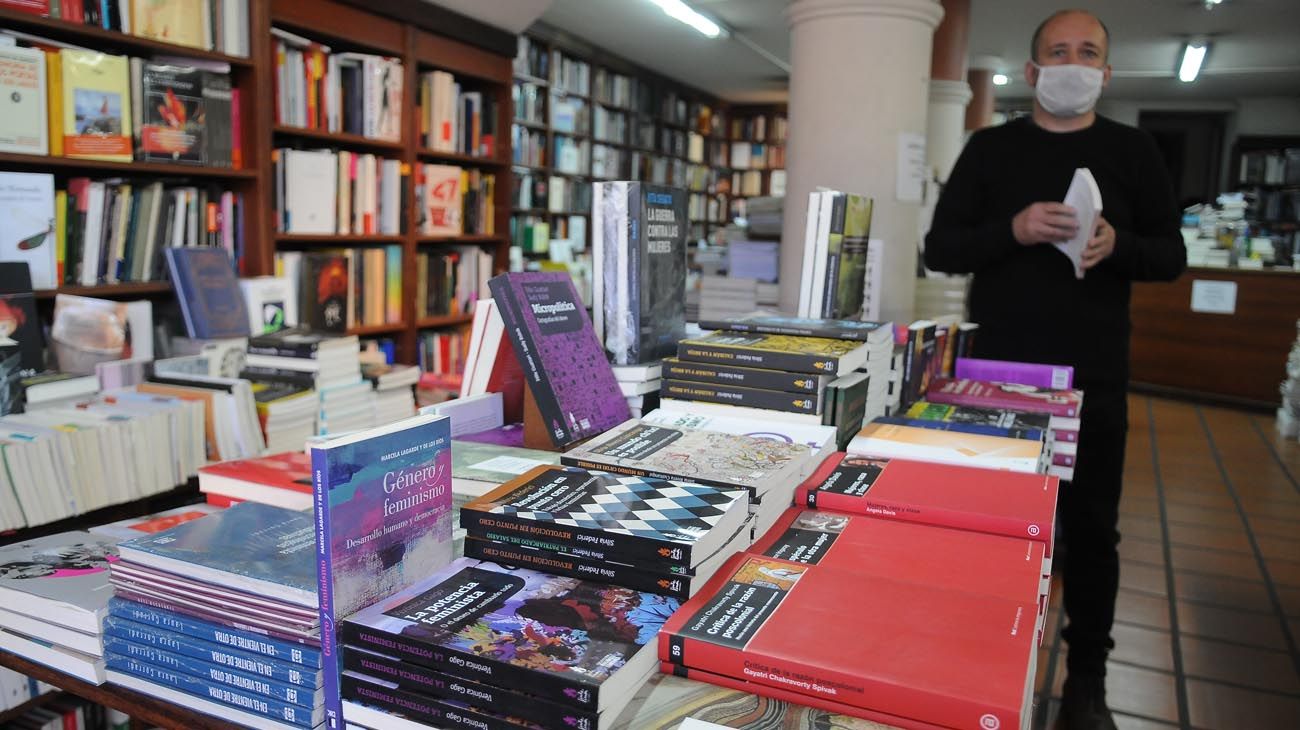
172 114
96 106
934 655
836 329
255 548
639 270
577 643
676 369
24 127
28 235
966 498
1006 396
651 520
211 300
564 365
382 502
716 458
62 579
776 352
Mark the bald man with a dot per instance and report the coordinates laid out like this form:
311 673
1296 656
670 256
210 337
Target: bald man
999 209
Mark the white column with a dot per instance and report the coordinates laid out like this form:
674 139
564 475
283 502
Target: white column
859 79
946 124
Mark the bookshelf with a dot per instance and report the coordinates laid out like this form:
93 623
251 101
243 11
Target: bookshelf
764 129
419 35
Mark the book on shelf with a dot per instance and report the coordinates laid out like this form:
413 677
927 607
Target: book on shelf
639 265
304 656
27 205
86 667
454 120
441 195
59 579
272 303
206 286
24 126
810 402
171 115
88 330
351 93
324 290
96 105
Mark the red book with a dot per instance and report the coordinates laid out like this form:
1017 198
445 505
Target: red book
953 659
1006 396
35 7
981 500
283 480
794 698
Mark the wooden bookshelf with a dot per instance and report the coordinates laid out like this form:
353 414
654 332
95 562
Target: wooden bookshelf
428 155
353 142
110 291
446 320
331 240
102 168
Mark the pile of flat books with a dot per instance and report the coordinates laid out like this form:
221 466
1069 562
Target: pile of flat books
219 614
772 368
328 363
712 450
287 412
478 468
640 386
394 390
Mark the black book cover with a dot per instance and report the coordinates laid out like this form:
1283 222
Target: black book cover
846 271
325 291
421 708
921 343
652 274
20 323
732 375
218 123
777 400
836 329
172 114
673 585
292 342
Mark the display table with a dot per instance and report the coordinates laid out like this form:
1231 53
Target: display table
1238 356
662 703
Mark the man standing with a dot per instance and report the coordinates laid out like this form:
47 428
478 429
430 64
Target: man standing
995 219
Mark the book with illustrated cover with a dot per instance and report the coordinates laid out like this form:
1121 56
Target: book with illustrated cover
1062 403
718 374
441 205
564 364
251 547
28 233
61 579
154 523
20 323
662 523
885 645
846 265
1016 423
918 356
172 21
220 634
324 292
211 300
382 502
477 468
972 428
949 447
173 120
966 498
813 437
808 403
283 480
716 458
581 644
776 352
639 270
96 106
836 329
24 127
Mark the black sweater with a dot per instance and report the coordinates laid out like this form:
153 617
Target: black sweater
1025 298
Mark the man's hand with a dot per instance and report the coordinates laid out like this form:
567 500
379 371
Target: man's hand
1044 223
1101 245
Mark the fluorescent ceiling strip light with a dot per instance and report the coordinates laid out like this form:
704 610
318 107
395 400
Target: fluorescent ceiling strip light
1193 55
678 10
1001 80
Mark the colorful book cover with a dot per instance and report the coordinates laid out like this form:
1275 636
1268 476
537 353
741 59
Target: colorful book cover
948 447
383 521
220 634
24 127
28 233
442 200
171 21
567 640
251 547
96 106
209 293
393 284
846 266
173 114
975 428
715 458
62 579
668 523
20 323
776 352
886 645
564 364
838 329
918 356
1014 422
1056 377
1008 396
154 523
324 292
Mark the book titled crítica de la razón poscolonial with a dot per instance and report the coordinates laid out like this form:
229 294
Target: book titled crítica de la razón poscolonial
382 505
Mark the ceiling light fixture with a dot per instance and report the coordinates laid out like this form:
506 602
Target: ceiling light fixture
678 10
1001 79
1193 55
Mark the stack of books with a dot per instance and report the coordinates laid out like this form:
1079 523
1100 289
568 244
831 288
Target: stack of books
394 390
721 453
219 614
806 371
54 591
287 412
330 363
640 385
478 468
644 533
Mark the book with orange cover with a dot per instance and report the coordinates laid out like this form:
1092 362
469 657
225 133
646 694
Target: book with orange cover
891 440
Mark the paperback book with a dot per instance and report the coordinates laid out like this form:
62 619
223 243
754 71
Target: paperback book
776 400
835 329
308 657
950 447
1063 403
208 291
61 579
776 352
1015 422
734 375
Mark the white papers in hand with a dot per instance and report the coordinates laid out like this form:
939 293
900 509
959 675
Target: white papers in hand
1085 197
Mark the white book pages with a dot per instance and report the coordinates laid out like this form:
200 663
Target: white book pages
1085 197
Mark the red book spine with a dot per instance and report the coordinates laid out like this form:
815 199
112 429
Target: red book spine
35 7
237 131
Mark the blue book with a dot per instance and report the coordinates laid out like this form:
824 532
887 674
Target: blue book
244 661
382 502
206 689
306 656
163 659
1029 434
208 290
251 547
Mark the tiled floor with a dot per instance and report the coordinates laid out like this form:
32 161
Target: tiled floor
1208 616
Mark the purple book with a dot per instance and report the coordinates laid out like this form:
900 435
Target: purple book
1056 377
563 362
167 603
509 435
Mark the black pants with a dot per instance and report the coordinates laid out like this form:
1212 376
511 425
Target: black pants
1088 521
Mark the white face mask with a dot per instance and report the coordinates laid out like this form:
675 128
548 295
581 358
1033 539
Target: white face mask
1069 90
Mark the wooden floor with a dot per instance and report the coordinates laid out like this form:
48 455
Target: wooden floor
1208 617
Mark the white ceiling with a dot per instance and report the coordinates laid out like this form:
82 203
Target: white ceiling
1254 50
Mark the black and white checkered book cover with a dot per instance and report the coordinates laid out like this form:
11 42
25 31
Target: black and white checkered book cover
643 507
